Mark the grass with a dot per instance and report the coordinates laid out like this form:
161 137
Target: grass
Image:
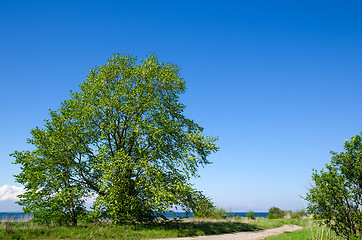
169 229
311 231
187 227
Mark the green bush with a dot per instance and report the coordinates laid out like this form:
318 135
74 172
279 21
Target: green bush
250 215
206 209
298 214
335 198
275 213
238 218
218 213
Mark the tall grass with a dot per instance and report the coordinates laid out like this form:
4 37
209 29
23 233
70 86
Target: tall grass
184 228
175 228
324 232
311 231
9 218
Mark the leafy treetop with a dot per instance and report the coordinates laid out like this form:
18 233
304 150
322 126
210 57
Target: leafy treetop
123 139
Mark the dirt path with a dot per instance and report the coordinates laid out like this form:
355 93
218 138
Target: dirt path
262 234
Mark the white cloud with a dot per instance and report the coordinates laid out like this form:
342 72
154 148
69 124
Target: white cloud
10 192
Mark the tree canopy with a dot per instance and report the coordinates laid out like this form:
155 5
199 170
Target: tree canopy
336 196
122 139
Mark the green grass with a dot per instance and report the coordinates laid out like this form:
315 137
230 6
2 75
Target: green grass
188 227
193 227
311 231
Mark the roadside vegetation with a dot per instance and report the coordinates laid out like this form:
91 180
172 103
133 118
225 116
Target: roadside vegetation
311 231
170 228
275 213
162 229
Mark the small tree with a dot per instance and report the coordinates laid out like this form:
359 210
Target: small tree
336 197
275 212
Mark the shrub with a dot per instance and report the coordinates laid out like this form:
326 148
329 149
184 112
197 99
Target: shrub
237 217
298 214
218 213
206 209
336 197
275 213
250 215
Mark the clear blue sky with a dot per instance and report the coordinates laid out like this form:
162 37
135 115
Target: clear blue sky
279 82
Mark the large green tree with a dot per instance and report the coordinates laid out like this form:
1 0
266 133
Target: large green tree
336 196
122 138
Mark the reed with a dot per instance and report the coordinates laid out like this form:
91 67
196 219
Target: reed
9 218
311 231
323 232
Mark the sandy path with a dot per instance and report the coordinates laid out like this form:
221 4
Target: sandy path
262 234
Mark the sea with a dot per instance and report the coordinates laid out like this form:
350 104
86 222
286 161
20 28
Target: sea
22 217
230 214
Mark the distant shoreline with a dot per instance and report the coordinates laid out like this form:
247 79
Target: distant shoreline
21 217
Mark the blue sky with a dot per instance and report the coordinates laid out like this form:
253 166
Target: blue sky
279 82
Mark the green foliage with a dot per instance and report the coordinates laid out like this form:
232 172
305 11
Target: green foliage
50 193
250 215
218 213
275 213
123 139
298 214
336 197
214 213
206 209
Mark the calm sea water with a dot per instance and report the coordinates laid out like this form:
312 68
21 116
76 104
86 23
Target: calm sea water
231 214
20 217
